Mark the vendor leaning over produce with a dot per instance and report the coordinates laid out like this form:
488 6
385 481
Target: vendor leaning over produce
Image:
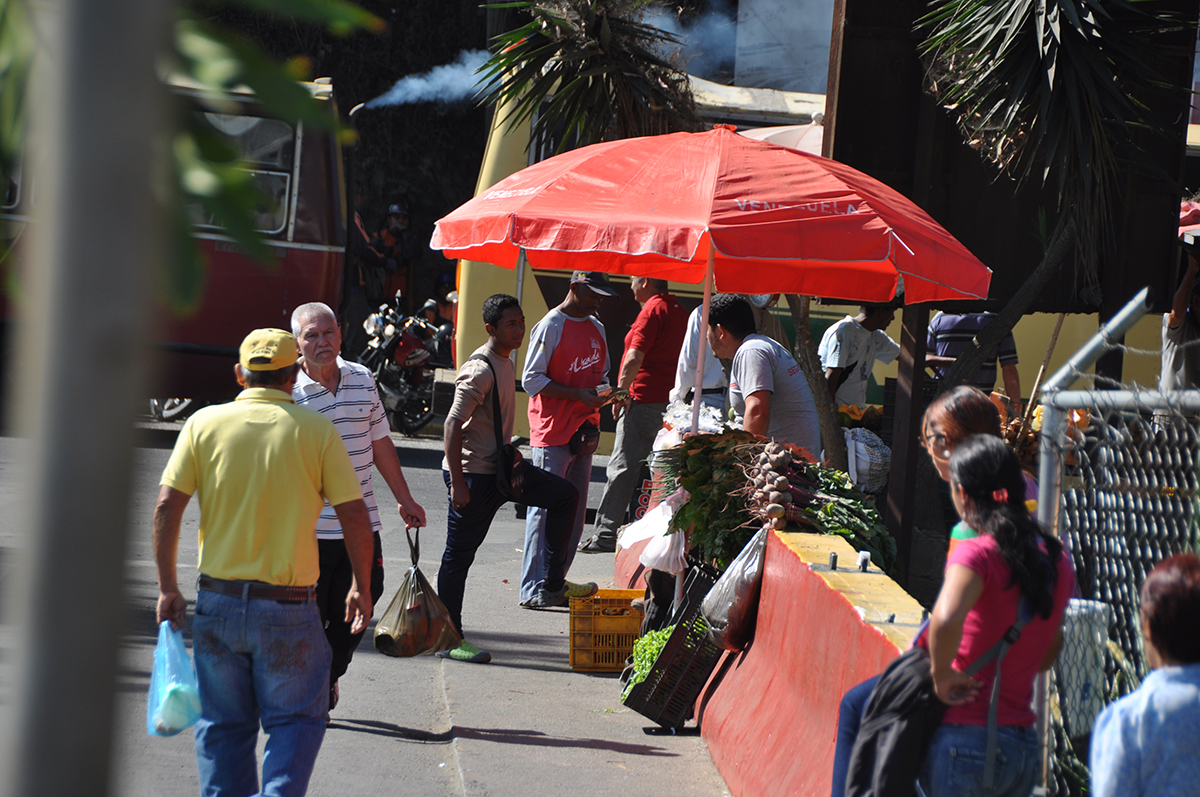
767 389
469 470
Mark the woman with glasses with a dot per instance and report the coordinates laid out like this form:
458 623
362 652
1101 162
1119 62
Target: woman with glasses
950 419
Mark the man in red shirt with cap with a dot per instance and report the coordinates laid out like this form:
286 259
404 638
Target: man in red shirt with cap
648 373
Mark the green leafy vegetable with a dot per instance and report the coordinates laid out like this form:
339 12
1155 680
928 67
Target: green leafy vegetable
645 653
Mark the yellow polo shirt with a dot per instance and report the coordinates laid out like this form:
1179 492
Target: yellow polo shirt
263 468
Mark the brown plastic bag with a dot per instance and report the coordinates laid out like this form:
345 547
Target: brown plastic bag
416 621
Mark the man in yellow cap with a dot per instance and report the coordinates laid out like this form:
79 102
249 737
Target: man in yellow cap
263 468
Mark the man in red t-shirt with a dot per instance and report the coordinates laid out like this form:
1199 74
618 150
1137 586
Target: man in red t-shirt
648 373
567 361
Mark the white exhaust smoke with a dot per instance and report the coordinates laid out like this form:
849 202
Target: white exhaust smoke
707 43
449 83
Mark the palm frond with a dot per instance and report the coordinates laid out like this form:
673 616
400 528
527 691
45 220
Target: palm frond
586 70
1052 83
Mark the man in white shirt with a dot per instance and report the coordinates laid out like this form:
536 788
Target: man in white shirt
850 348
346 394
715 383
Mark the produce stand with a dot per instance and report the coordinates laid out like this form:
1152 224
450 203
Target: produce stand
735 483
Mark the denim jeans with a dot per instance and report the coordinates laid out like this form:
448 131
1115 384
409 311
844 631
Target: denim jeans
636 430
850 713
259 661
577 469
467 527
955 761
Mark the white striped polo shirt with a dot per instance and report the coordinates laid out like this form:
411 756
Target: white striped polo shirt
358 416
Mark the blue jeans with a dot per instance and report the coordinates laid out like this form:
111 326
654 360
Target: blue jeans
467 527
954 764
578 471
259 661
849 720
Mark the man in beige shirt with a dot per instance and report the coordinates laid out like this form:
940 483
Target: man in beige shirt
469 469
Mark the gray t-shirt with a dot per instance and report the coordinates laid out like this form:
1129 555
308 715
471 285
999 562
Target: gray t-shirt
762 364
1180 363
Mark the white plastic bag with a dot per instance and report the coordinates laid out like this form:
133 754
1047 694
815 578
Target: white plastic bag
667 552
655 522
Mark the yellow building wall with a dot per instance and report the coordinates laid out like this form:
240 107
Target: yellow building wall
1032 336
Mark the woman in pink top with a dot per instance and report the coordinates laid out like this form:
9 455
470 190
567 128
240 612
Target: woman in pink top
986 579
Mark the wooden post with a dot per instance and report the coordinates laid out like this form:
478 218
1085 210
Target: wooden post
902 482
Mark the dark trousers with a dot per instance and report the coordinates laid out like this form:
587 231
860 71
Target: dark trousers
332 587
660 599
467 527
849 719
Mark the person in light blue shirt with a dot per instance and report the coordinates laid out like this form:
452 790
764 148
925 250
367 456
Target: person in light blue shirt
1146 743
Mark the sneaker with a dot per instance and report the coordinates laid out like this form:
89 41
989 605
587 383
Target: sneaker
574 590
548 600
597 544
465 652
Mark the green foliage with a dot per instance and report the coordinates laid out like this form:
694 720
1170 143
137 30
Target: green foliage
842 508
645 652
719 518
712 469
222 64
1055 84
16 54
585 69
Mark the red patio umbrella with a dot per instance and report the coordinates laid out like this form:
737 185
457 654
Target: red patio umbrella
775 220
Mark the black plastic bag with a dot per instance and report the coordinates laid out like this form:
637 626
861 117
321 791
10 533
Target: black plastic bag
416 621
731 606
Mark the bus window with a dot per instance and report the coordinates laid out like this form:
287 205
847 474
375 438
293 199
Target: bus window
269 219
269 143
268 147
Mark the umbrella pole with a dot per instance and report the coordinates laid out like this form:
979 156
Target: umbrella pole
698 390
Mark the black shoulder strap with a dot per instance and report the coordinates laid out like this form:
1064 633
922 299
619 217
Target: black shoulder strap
495 402
998 651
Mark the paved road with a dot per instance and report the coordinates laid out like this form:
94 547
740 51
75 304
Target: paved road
521 725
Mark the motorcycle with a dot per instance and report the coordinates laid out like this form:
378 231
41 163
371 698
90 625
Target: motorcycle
402 354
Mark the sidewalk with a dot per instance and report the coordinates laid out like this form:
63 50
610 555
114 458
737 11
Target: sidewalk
523 724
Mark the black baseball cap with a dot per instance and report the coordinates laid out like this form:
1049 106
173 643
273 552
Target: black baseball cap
397 207
594 280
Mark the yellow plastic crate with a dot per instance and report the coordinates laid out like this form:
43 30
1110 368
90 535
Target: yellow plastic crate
603 630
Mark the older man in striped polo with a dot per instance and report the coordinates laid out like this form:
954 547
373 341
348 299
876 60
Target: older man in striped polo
346 394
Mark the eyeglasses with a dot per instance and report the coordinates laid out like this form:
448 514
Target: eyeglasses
937 445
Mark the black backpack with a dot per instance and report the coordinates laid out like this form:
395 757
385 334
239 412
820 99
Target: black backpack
901 716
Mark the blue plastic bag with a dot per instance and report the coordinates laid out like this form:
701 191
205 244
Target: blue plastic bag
174 701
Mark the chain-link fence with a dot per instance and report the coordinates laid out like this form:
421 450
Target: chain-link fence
1120 466
1125 503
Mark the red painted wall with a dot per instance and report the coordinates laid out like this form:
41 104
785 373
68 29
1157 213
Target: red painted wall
628 572
771 723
